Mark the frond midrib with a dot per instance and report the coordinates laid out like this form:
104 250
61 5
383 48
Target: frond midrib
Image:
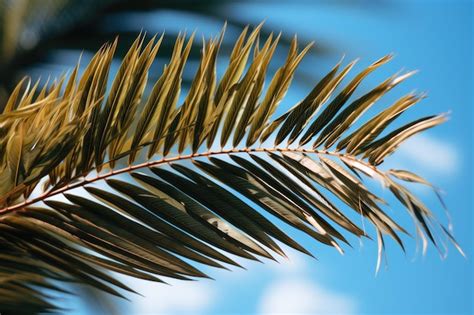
175 159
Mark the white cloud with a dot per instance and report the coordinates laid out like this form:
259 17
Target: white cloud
289 288
428 153
182 297
293 292
300 296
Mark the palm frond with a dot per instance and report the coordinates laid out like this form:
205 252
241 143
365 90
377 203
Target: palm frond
167 184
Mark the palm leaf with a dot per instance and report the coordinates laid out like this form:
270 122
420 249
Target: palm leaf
145 207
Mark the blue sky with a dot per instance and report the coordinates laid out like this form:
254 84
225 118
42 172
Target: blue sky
434 37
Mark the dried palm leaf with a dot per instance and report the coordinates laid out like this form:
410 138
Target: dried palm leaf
147 211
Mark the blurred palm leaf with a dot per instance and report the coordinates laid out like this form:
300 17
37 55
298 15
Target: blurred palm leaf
39 37
168 183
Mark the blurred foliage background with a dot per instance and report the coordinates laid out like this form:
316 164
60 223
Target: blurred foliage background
42 38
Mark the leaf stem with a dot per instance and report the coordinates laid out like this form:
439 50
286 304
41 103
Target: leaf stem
165 160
